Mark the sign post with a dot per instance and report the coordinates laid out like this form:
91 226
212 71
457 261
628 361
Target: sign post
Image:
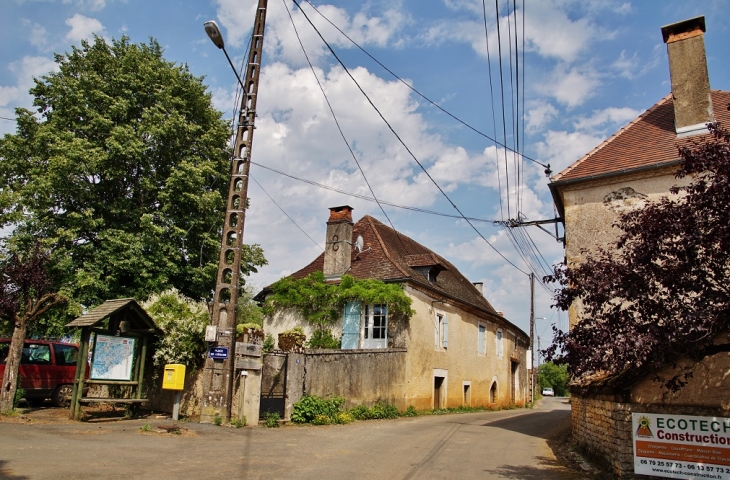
681 446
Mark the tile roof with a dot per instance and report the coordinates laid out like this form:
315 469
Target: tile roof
389 255
647 141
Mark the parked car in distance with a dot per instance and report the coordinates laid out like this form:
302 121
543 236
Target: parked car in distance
47 369
548 392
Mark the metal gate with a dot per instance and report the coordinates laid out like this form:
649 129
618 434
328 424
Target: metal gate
273 384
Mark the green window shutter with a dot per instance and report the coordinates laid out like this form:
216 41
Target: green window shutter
351 326
446 332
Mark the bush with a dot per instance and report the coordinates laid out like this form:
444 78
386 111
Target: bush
183 320
268 346
344 418
271 420
310 407
321 420
410 412
360 412
322 338
378 411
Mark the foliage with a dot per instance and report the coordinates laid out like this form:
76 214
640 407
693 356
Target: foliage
28 289
123 173
410 411
19 392
271 420
268 346
248 312
321 303
238 422
311 406
292 340
554 376
323 338
218 420
146 427
183 321
660 292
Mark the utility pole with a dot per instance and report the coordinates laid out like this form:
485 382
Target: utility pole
532 337
218 373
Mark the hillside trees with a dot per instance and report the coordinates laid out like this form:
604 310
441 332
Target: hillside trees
122 173
660 293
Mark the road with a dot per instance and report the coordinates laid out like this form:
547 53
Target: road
510 444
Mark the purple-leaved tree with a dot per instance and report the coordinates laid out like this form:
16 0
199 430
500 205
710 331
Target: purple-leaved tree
661 291
27 291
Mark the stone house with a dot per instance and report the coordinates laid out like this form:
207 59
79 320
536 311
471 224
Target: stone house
456 350
634 166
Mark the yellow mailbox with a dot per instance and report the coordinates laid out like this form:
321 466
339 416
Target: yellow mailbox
174 378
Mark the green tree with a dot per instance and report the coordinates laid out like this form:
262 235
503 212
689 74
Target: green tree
122 172
554 376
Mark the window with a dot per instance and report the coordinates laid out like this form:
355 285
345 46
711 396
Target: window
499 343
375 326
66 355
35 354
482 340
441 332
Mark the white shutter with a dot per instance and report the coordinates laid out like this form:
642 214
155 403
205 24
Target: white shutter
446 332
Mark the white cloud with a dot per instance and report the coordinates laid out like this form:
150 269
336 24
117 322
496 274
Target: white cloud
610 117
37 34
82 28
539 115
632 66
12 96
571 86
560 148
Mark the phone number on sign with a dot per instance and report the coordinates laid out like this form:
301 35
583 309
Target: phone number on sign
686 469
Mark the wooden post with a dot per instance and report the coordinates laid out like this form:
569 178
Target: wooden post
142 360
80 373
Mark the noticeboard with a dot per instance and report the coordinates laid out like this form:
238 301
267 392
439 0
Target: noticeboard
113 358
681 446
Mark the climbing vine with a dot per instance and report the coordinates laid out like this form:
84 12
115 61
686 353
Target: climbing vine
321 303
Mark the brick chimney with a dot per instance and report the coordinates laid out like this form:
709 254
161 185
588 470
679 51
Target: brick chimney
338 249
690 80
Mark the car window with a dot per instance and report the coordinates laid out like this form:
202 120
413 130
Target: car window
66 355
34 354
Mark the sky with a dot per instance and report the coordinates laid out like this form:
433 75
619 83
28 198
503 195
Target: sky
586 68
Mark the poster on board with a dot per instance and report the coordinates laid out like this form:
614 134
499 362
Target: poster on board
113 358
681 446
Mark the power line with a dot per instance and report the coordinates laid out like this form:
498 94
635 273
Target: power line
400 140
491 98
10 119
287 215
339 128
504 120
475 130
370 199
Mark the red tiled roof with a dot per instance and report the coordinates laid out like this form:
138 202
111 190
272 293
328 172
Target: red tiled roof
646 141
388 255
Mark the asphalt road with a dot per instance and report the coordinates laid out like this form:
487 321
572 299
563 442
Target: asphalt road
508 444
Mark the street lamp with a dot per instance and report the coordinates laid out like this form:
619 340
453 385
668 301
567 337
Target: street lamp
214 33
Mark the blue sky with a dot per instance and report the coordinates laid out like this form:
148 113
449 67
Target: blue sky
590 67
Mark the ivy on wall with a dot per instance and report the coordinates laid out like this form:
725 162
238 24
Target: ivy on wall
322 303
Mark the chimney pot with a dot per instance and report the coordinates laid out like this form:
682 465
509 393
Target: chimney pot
479 286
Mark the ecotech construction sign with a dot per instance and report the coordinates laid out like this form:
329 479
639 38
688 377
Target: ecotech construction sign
681 446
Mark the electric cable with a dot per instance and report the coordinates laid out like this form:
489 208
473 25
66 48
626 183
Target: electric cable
504 120
339 128
400 140
491 99
414 90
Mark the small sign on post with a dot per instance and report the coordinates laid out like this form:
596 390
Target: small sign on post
218 353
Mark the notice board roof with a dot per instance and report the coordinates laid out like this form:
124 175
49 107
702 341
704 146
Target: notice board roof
126 306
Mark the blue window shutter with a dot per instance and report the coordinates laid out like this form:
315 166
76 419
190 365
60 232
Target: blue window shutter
480 347
351 326
446 332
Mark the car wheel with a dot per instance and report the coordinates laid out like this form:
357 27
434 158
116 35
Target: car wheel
62 395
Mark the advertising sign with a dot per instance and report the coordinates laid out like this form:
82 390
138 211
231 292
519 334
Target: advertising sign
681 446
113 358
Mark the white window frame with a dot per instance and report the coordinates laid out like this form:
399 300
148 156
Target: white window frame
441 332
368 327
482 338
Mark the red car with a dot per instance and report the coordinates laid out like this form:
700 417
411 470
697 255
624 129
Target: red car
47 369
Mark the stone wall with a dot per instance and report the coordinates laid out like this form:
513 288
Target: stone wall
602 426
